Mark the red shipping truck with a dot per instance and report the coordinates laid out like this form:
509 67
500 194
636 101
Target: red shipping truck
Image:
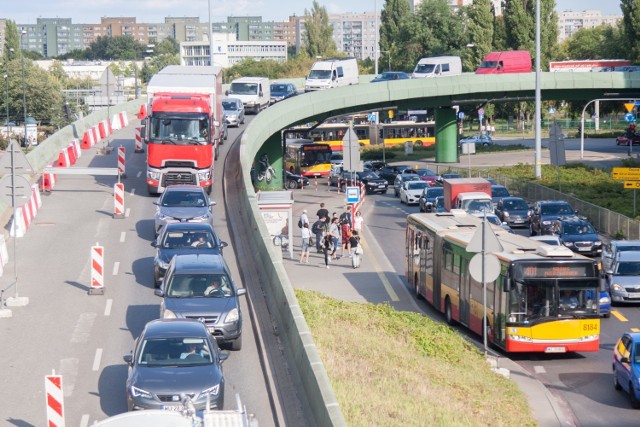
455 186
183 127
511 61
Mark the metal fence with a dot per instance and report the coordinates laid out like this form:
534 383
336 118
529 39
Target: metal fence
612 224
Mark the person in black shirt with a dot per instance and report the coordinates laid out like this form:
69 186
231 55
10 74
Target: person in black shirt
322 212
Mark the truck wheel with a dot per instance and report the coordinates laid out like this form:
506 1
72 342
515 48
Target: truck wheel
217 153
236 345
153 191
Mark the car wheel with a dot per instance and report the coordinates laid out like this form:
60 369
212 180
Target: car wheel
447 312
616 384
396 194
485 144
607 315
292 185
236 345
635 403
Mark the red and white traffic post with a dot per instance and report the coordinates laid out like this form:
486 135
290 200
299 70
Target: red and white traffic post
118 200
121 162
97 270
55 400
139 148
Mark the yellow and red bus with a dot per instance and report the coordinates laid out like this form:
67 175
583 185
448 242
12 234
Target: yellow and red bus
307 158
527 308
394 133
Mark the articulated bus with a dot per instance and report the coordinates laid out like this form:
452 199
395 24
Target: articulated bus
546 298
395 133
307 158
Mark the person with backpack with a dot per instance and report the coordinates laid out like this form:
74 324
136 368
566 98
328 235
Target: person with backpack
304 219
356 249
318 229
327 245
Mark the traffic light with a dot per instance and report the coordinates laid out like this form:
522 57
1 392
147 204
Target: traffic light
632 129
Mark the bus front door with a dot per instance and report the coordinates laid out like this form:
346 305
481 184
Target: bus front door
465 292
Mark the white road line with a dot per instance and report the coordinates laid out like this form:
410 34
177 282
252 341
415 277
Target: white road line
123 235
539 369
69 371
133 191
127 212
139 174
97 359
82 331
116 266
84 421
107 307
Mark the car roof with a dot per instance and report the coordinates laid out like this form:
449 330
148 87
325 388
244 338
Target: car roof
504 199
575 221
189 226
174 328
184 187
633 256
563 202
498 186
623 243
199 263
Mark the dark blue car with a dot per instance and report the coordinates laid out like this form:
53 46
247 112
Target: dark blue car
282 91
390 75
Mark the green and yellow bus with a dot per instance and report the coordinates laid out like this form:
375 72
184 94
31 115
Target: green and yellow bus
526 305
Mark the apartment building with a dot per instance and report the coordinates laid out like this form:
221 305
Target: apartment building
228 51
51 36
355 33
3 31
569 22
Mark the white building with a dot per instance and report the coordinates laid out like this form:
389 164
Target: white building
457 4
355 33
227 51
569 22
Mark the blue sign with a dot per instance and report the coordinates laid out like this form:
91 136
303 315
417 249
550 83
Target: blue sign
461 115
630 117
353 194
373 117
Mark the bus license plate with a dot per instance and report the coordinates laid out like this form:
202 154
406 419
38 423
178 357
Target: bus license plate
555 350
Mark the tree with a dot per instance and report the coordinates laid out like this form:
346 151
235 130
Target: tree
600 42
479 33
168 46
499 42
318 37
631 25
394 12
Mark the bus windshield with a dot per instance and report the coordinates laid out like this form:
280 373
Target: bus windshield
315 157
179 129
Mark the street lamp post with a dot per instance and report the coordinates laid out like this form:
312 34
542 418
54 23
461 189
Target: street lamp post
6 78
24 95
135 73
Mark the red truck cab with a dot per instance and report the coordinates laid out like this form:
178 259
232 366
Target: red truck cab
512 61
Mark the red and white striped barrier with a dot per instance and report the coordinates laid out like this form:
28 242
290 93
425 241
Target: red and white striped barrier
97 270
55 400
48 181
115 122
121 162
63 159
142 113
96 133
103 129
23 215
124 120
108 126
71 152
139 148
118 200
87 139
76 147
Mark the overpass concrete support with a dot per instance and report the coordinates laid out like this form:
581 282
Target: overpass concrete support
268 165
446 135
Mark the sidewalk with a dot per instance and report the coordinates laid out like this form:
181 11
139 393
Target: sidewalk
344 283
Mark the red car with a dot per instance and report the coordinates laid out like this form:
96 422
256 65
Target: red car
623 140
425 174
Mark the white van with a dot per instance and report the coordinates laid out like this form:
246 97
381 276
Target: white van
254 92
438 66
332 72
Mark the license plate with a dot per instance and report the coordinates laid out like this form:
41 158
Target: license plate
518 221
176 408
380 186
584 249
634 296
555 350
211 330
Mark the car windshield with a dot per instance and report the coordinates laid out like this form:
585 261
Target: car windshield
627 268
181 239
425 172
535 299
367 175
552 242
418 185
499 192
577 228
439 202
183 199
514 205
627 248
231 106
406 178
175 352
477 205
244 88
201 285
556 209
494 220
489 64
278 88
319 74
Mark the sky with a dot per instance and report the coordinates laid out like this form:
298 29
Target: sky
149 11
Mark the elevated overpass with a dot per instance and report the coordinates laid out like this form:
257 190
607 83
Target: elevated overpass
263 136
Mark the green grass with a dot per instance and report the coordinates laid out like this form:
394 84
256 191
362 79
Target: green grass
404 369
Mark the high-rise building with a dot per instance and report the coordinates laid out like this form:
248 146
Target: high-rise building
227 51
3 31
457 4
355 33
51 36
569 22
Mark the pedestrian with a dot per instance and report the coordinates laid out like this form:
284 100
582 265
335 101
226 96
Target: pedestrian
346 215
356 249
334 216
327 245
358 223
318 230
345 231
304 219
322 212
334 231
306 234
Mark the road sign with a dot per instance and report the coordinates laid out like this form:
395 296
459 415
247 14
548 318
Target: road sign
630 117
353 194
351 151
633 185
20 186
373 117
481 112
629 106
485 235
626 174
461 115
491 267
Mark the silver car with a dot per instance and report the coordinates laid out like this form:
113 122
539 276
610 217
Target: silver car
183 203
623 278
233 111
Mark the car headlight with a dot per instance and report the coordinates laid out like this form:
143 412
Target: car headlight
605 300
168 314
617 288
153 175
204 175
161 216
569 244
138 392
546 222
598 243
506 214
232 316
212 390
201 217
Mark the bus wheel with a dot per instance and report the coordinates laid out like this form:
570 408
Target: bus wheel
418 143
635 403
447 312
416 287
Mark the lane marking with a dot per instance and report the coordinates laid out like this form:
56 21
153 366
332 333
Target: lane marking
133 191
635 330
116 266
123 235
619 316
84 421
96 360
127 212
139 174
69 371
107 307
539 369
82 331
380 273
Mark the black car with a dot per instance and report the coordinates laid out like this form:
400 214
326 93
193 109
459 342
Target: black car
428 199
173 359
390 172
372 182
293 181
579 236
180 238
546 213
515 211
374 165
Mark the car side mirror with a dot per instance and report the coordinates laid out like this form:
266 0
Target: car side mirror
261 93
155 202
608 271
154 244
158 293
241 291
624 360
212 203
223 244
216 123
128 359
223 355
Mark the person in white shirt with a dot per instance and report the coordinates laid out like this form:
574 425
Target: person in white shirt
358 222
306 235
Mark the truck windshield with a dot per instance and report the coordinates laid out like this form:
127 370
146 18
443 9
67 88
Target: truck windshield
180 130
477 206
425 68
319 74
243 88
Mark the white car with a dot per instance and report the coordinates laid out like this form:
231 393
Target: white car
411 191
